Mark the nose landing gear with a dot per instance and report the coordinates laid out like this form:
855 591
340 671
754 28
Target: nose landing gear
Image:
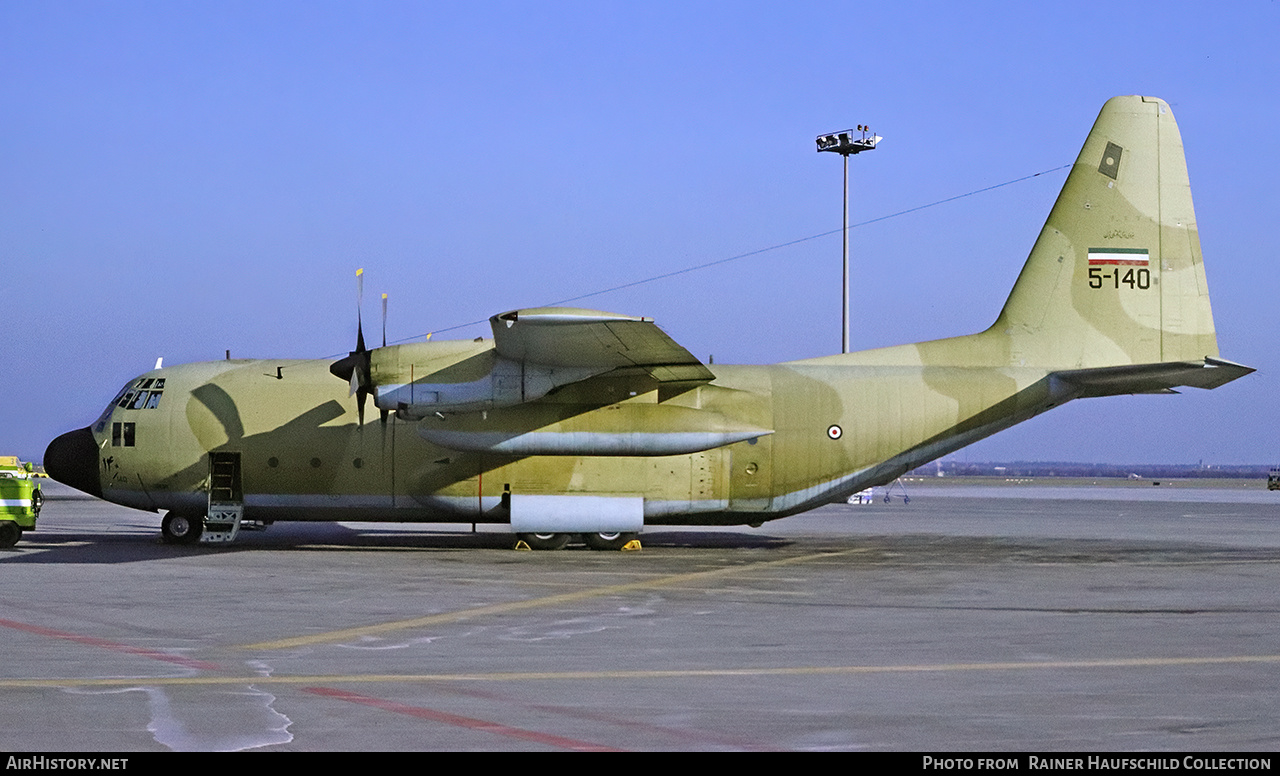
181 529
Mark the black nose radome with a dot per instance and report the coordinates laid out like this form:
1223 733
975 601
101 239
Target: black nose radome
72 459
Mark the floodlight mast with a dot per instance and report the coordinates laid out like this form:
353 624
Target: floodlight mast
846 143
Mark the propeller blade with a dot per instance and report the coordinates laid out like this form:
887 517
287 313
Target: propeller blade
359 304
357 366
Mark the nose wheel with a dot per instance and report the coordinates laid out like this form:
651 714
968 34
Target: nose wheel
181 529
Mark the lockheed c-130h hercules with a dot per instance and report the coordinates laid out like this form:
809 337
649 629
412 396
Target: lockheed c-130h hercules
573 422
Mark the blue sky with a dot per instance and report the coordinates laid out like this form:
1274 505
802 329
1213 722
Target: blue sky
180 178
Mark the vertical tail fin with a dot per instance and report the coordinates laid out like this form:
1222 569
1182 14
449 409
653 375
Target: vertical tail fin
1115 277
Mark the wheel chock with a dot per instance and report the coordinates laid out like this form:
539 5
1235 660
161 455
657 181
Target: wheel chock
631 546
521 544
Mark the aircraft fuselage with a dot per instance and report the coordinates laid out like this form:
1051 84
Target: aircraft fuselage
818 432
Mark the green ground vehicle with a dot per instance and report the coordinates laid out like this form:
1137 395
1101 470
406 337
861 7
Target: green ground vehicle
20 499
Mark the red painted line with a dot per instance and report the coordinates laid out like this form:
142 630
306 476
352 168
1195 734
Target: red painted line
460 721
689 735
93 641
1120 262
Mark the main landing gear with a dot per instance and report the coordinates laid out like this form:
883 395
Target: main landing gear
596 541
608 541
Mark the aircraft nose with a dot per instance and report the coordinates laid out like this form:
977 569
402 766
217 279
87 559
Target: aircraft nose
72 459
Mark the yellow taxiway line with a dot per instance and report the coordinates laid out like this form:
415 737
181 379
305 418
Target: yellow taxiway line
543 676
534 603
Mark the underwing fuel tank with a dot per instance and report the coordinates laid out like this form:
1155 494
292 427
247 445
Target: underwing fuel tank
619 429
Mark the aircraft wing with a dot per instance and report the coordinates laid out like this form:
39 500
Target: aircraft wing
591 339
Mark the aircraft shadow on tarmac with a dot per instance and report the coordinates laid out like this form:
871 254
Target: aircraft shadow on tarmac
135 544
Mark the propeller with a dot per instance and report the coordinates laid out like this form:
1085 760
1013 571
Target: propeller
383 416
355 368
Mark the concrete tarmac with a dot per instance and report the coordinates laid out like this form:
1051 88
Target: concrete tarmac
1008 619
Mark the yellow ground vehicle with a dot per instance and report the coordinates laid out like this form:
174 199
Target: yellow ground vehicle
20 499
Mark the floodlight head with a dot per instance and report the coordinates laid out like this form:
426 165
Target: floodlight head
845 142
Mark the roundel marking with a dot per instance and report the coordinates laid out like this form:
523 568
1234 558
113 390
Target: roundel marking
834 432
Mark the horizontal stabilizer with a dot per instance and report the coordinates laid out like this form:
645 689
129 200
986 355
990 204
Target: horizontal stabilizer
1153 378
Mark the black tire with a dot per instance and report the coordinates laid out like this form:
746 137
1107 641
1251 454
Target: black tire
181 529
547 541
607 541
10 533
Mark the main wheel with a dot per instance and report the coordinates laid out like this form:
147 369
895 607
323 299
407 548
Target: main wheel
181 529
10 533
545 541
607 541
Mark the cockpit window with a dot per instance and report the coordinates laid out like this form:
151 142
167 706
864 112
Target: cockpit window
101 423
141 394
123 434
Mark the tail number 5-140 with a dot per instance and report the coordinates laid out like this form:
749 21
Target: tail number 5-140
1120 276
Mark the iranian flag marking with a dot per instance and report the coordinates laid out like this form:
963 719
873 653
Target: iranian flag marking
1124 257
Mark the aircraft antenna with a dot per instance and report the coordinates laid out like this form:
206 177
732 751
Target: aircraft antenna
748 254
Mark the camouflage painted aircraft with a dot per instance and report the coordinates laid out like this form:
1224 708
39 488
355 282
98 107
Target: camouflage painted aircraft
574 422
